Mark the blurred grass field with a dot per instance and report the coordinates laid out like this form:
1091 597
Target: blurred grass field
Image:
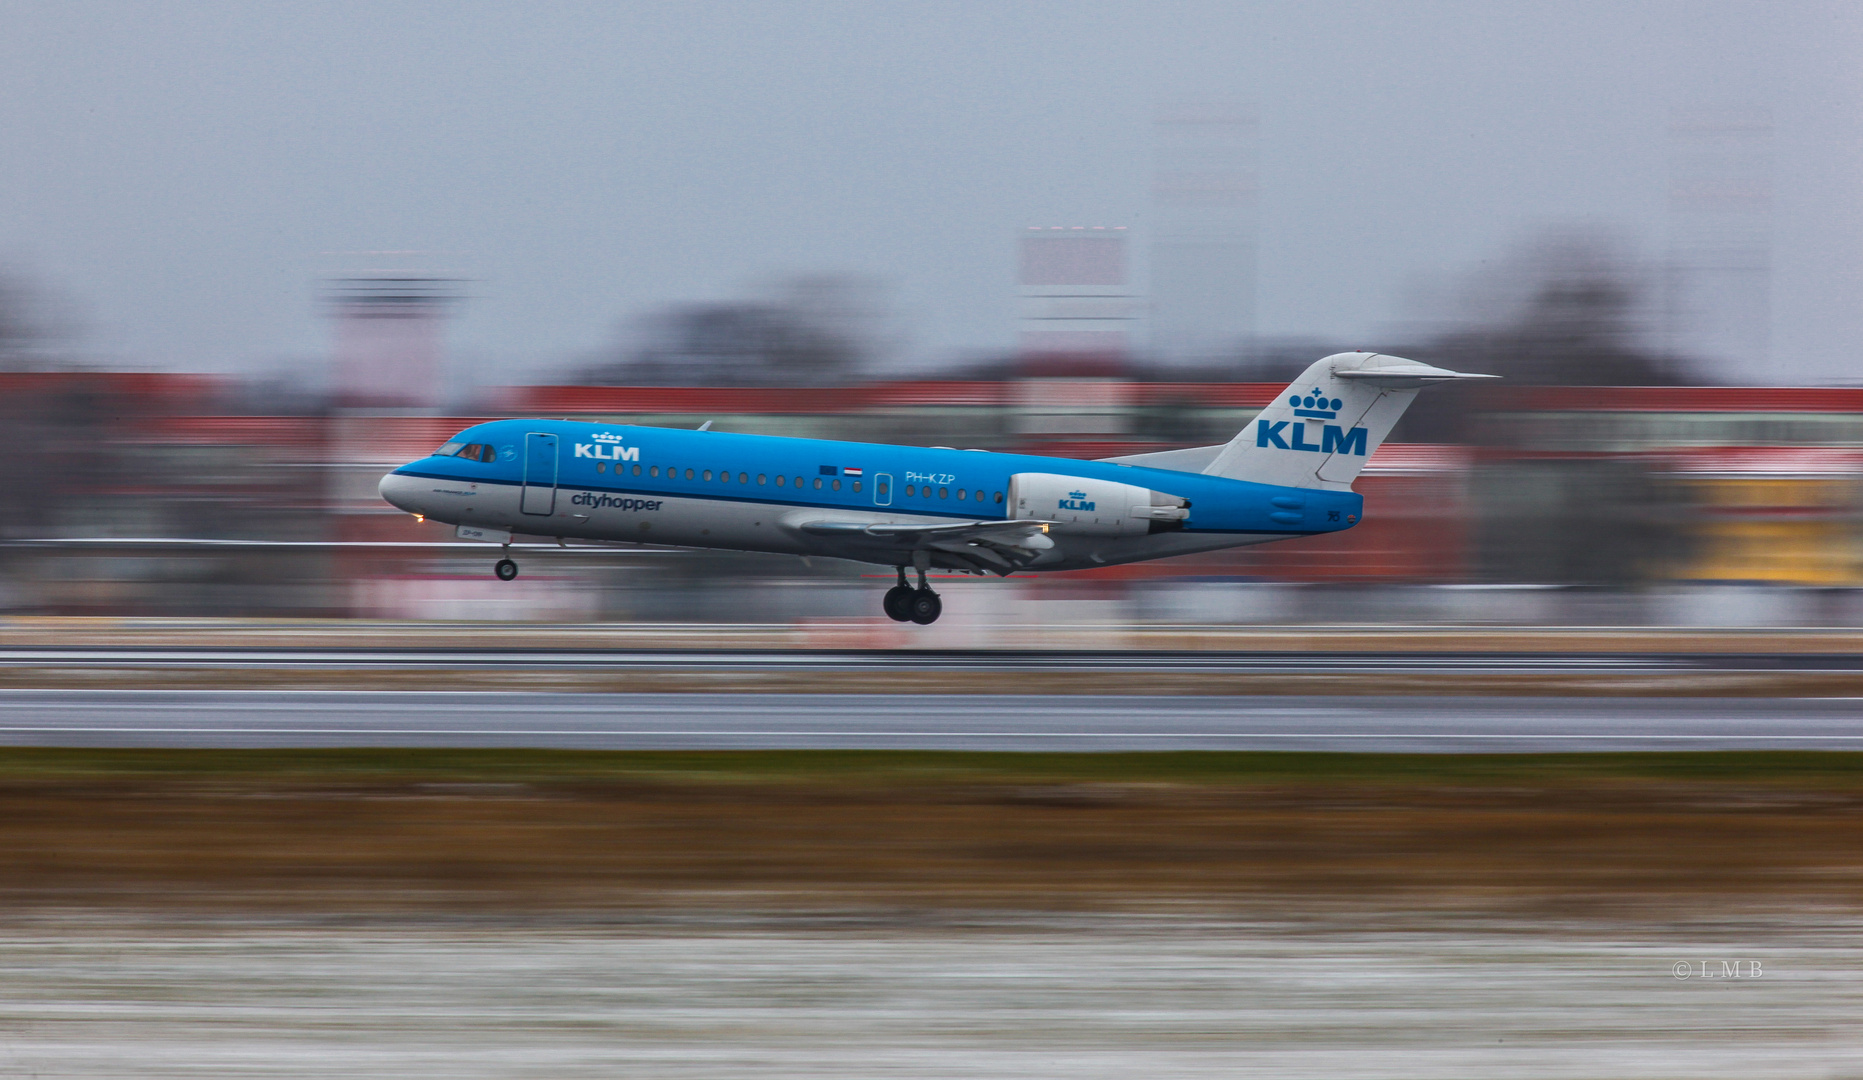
573 832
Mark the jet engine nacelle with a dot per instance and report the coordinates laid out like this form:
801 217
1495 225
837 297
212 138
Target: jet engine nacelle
1094 507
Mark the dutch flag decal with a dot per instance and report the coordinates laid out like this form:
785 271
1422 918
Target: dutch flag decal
850 472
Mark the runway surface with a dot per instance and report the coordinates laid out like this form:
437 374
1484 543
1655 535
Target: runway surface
477 659
1052 999
284 718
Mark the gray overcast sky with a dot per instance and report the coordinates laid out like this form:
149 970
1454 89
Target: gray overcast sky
178 169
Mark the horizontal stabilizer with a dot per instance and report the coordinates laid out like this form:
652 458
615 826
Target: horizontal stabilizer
1409 373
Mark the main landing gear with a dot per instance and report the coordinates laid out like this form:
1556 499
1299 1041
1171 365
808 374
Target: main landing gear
903 603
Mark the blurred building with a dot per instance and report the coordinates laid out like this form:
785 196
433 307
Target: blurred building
1075 339
1766 482
389 339
1718 301
1077 302
1204 229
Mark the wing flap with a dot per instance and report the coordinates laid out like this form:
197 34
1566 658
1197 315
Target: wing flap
913 532
998 547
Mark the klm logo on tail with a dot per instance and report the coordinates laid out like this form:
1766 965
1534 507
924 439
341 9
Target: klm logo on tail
1333 438
1292 434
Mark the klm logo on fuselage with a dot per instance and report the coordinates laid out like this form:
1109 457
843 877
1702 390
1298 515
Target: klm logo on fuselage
606 447
1292 435
1076 500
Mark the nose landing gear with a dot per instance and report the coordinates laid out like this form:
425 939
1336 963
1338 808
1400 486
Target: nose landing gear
505 569
903 603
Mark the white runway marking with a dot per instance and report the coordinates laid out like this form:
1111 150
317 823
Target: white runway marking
834 733
235 718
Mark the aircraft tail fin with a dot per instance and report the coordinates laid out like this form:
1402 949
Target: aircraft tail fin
1320 431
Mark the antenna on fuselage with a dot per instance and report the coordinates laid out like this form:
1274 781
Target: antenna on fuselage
706 426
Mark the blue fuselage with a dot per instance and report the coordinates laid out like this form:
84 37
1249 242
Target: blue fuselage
714 489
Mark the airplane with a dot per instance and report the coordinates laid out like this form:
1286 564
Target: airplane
1288 474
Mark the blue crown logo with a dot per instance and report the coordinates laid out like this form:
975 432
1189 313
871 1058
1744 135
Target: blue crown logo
1317 405
606 437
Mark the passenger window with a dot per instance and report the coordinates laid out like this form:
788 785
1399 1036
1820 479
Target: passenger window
836 484
818 483
708 474
601 466
911 491
944 493
979 494
637 470
999 498
881 490
655 471
798 481
781 480
688 474
961 493
743 478
856 487
760 477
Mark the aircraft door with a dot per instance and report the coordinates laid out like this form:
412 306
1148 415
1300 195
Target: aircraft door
883 489
539 474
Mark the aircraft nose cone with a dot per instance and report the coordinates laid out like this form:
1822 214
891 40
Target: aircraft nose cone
398 492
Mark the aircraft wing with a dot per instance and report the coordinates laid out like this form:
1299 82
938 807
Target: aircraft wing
999 547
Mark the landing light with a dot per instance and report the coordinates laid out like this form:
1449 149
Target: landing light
421 518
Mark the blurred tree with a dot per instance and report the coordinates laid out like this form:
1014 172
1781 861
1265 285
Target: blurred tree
30 328
819 332
1568 309
46 425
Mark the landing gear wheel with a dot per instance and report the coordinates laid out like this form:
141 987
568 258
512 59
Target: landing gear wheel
505 569
898 603
926 607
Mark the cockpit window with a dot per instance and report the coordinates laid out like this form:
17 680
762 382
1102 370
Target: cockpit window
469 451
